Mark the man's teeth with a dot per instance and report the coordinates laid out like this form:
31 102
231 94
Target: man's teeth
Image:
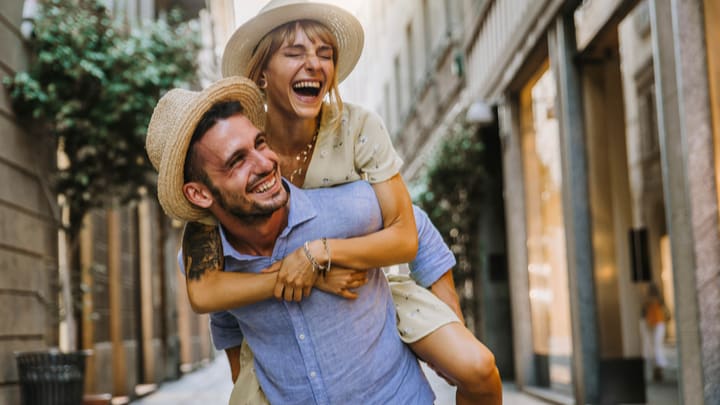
307 84
266 186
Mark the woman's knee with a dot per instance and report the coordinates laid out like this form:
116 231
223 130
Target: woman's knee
477 368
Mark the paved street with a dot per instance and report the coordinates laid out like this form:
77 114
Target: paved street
211 385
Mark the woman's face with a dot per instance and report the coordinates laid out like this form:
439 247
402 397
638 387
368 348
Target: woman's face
299 75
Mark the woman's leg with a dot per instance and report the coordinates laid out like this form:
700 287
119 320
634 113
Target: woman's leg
458 356
433 331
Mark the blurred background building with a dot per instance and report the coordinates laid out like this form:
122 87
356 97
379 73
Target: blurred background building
133 311
603 117
605 114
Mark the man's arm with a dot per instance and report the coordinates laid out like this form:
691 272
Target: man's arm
233 356
444 288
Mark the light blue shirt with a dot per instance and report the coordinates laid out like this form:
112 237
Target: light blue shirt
433 258
325 349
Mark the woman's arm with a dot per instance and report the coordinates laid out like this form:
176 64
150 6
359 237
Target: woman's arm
396 243
209 288
220 290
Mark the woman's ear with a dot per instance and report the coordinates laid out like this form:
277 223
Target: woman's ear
262 81
198 194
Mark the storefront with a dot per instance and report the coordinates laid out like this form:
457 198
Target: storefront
582 153
547 266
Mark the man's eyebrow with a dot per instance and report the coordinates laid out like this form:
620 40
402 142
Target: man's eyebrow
237 154
242 152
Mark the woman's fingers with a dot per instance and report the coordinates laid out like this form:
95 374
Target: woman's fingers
348 294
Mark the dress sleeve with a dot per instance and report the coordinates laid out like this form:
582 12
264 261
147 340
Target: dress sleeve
375 156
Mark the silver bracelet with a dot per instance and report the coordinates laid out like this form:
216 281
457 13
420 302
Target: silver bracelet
327 251
315 265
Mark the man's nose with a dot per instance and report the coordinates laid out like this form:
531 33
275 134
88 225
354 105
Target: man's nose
263 163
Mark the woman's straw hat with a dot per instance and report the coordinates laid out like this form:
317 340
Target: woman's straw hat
173 122
347 29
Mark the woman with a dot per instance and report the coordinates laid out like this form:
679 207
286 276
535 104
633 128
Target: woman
297 52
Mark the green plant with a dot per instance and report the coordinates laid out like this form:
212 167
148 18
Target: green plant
93 83
450 191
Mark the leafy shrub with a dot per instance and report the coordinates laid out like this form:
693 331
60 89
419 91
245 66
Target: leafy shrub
93 83
450 193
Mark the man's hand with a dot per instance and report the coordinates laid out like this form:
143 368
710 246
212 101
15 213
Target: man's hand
342 282
296 277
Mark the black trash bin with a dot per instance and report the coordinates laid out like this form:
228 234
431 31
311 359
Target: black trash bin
51 377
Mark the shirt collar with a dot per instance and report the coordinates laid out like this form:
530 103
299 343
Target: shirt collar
301 210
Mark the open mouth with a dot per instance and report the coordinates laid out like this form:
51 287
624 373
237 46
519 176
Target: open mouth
308 88
265 186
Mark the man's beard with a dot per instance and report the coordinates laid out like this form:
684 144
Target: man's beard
255 213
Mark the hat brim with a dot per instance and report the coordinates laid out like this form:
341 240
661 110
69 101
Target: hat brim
171 167
347 30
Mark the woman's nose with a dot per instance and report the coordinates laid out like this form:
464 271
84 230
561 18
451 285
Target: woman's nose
312 62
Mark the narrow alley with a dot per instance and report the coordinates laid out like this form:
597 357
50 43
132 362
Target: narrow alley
211 385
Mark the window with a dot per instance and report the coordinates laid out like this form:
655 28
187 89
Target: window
647 115
427 33
398 92
410 44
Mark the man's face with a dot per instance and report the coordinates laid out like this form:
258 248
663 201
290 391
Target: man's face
243 173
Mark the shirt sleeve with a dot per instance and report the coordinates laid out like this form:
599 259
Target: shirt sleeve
225 330
434 258
375 156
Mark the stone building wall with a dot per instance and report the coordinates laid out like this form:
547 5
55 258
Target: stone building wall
28 224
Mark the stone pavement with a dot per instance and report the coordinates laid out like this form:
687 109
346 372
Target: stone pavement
211 385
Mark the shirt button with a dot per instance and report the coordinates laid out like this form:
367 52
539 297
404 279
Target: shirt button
302 337
313 374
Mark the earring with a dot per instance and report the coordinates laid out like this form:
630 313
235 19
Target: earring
262 83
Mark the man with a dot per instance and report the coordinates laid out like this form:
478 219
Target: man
324 349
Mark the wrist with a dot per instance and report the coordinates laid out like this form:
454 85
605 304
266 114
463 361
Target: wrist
318 251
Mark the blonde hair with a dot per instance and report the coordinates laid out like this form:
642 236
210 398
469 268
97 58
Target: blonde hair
275 39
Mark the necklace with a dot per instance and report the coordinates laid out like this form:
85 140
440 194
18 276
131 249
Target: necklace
304 155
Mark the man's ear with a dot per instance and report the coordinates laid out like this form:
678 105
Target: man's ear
198 194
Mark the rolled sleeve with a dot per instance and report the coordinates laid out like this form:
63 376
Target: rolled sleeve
375 156
434 258
225 330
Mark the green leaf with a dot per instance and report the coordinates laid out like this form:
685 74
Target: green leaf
95 84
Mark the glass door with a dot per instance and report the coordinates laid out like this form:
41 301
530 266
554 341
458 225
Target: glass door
547 263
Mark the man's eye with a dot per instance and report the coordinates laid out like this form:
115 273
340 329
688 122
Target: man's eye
237 160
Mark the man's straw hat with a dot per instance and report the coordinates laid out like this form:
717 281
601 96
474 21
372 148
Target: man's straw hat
347 29
173 122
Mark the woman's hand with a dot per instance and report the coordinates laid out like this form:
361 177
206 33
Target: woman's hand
297 275
341 281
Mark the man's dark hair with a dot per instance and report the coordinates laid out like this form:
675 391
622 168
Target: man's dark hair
219 111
